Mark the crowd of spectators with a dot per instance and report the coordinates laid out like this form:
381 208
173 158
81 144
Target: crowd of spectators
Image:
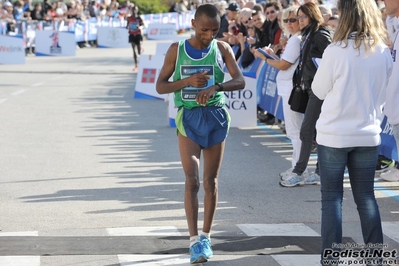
26 10
263 20
252 24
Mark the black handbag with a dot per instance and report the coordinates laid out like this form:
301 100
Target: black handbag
299 97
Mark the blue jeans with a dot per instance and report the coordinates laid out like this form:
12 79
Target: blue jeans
361 162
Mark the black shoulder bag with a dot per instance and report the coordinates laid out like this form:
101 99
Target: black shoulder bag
299 97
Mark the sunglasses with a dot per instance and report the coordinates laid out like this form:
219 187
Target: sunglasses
270 12
292 20
245 22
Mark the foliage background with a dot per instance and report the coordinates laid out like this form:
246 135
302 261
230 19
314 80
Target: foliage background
151 6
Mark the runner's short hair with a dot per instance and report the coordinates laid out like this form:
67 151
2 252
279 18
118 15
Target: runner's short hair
208 10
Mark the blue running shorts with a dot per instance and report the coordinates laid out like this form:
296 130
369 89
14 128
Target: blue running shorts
206 126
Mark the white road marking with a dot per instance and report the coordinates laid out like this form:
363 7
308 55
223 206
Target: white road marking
153 260
37 84
20 260
287 229
2 100
23 233
18 92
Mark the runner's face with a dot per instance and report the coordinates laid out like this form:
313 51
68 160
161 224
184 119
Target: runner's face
205 29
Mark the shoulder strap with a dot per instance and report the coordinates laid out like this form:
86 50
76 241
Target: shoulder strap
299 69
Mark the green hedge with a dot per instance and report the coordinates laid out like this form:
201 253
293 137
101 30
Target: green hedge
151 6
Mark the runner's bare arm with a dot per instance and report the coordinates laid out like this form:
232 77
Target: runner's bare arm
237 81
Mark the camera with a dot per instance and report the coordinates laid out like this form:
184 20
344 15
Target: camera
235 30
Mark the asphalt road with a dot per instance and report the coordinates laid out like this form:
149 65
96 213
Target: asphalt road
91 176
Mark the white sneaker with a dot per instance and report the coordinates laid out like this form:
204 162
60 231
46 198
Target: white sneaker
286 172
392 175
313 179
288 175
292 180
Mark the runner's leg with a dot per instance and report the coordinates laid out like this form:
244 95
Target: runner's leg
190 153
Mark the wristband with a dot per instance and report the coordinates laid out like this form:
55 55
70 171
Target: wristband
220 85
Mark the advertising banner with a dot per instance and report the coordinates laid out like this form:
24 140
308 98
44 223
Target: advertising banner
388 143
157 31
266 85
108 37
241 104
12 50
55 43
147 76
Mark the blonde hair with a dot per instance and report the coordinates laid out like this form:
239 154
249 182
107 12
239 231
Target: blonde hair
286 13
363 19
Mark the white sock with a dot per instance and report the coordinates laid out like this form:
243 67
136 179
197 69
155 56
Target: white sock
194 239
208 235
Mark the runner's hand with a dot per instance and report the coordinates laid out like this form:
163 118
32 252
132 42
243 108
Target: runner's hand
204 95
199 80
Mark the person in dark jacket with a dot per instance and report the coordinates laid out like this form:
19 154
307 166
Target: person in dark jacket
315 38
273 29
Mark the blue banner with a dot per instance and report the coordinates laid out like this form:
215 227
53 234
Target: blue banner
266 87
388 146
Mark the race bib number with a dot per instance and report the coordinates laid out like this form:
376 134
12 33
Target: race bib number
189 93
133 26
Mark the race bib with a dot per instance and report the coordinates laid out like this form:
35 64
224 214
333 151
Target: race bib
189 93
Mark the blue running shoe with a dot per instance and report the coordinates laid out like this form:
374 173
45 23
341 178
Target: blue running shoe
292 180
207 246
197 253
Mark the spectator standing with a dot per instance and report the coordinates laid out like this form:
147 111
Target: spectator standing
73 11
273 30
18 11
181 7
260 23
46 6
241 3
391 107
249 4
325 12
134 24
247 56
202 121
232 15
92 9
348 130
38 14
62 5
333 22
8 17
172 7
272 33
224 21
28 6
287 66
315 39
